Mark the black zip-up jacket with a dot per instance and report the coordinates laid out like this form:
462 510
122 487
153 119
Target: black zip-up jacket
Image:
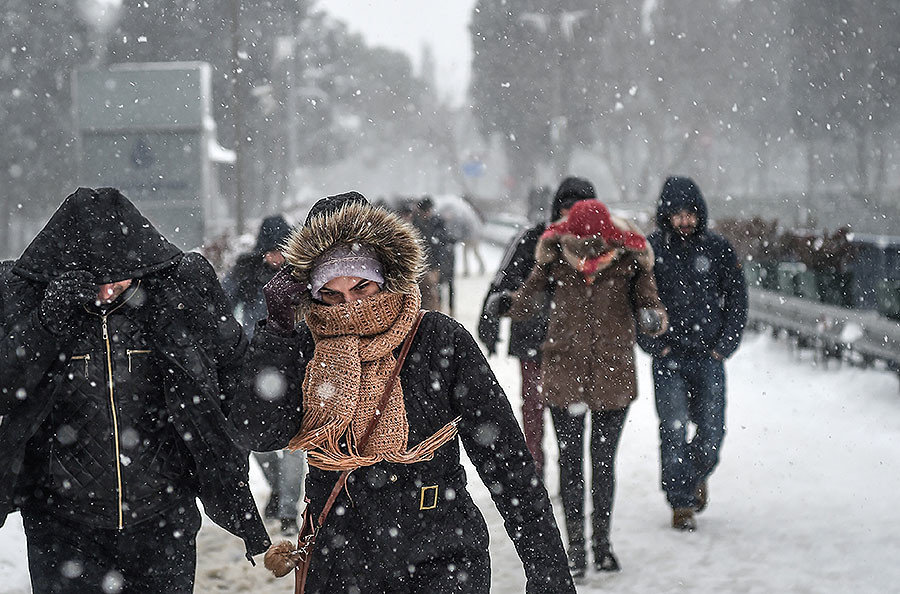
378 528
180 314
97 415
525 336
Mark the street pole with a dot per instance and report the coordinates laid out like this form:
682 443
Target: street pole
237 117
293 150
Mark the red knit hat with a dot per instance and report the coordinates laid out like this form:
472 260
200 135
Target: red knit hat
589 218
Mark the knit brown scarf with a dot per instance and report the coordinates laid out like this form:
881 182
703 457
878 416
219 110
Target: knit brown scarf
345 381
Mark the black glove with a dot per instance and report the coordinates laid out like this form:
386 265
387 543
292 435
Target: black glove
650 321
63 297
499 303
282 295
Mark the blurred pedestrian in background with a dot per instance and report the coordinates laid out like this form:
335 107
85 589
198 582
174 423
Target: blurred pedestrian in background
527 335
243 285
600 271
702 285
439 254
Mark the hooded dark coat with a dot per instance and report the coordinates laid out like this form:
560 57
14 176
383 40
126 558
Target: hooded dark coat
184 316
699 280
244 282
526 335
378 528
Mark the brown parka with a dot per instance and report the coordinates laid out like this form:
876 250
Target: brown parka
588 355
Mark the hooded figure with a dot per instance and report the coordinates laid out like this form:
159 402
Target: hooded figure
702 286
117 366
405 521
598 271
244 282
527 335
243 286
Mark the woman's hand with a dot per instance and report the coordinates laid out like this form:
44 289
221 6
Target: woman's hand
653 322
282 295
547 251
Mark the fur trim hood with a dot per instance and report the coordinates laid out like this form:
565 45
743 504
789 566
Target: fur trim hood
594 245
397 243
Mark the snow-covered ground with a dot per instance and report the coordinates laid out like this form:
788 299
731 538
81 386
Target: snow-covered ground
804 500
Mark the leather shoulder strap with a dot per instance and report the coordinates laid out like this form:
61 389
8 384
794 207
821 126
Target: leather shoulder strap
388 388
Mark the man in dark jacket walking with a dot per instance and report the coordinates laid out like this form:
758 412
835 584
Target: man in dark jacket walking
527 336
243 286
118 360
701 284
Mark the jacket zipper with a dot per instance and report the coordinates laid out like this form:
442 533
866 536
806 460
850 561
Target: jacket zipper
86 358
115 419
131 352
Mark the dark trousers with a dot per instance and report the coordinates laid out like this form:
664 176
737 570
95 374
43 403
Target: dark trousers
689 389
533 410
606 430
157 555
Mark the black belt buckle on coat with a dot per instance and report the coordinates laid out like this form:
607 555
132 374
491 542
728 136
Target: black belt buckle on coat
428 498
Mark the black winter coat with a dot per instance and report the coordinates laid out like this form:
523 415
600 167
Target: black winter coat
700 283
243 285
378 528
525 336
187 322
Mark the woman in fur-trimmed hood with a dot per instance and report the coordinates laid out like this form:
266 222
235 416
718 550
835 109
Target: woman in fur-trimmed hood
352 276
600 270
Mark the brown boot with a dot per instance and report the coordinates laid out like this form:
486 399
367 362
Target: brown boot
701 496
683 519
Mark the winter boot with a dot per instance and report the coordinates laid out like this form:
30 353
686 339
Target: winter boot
577 559
683 519
604 559
271 511
701 496
289 527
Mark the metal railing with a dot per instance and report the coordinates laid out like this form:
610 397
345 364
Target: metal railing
836 330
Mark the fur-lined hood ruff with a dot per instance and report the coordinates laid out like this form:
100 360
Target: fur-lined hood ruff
397 243
594 245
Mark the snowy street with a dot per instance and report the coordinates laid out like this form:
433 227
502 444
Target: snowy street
804 500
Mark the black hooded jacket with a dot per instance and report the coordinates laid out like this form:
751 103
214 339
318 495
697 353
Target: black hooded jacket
699 280
167 365
527 336
244 283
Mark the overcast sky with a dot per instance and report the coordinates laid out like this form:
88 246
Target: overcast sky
409 24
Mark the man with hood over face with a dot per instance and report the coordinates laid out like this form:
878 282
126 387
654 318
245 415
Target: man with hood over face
403 519
118 360
702 286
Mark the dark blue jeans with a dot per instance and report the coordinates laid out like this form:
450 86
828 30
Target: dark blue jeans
689 389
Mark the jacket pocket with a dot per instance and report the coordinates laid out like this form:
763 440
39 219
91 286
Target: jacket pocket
85 358
134 355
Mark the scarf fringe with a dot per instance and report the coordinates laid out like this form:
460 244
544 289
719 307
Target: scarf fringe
426 449
332 459
318 430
